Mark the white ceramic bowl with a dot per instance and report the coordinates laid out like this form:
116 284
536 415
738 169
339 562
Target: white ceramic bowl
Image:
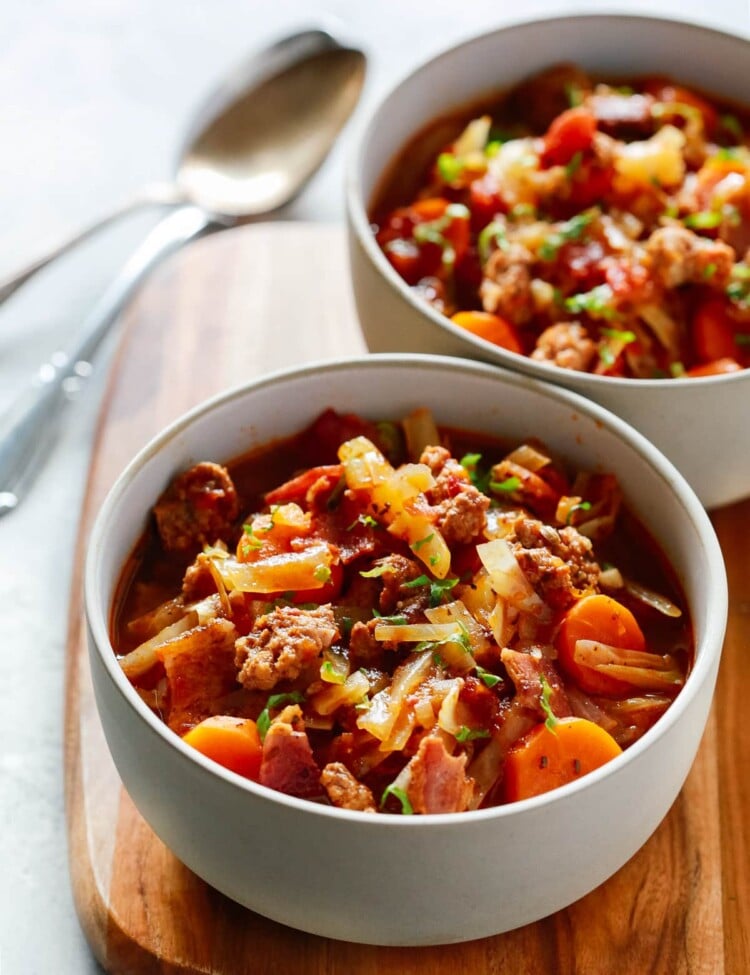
391 879
702 425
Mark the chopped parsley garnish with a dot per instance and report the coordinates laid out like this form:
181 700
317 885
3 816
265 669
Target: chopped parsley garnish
574 165
493 235
622 335
733 126
572 229
431 232
470 463
581 506
275 702
449 167
390 620
550 720
574 94
271 523
597 302
470 734
461 638
703 219
376 571
249 540
366 520
676 369
507 486
522 210
438 587
423 541
487 678
322 573
709 270
738 290
400 794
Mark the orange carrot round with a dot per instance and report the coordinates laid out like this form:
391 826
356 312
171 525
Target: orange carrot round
232 742
547 758
603 619
490 327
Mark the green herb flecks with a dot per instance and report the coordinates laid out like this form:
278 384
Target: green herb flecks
508 486
432 231
322 573
470 734
400 794
733 126
581 506
574 165
423 541
487 677
598 303
703 219
275 702
493 235
367 521
449 167
573 229
438 587
544 698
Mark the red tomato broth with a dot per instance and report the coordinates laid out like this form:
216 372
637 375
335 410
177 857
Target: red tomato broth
607 290
489 700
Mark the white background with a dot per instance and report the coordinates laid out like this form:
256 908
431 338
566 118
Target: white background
94 95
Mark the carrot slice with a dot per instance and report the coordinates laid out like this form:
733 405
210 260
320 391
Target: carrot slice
547 758
603 619
490 327
232 742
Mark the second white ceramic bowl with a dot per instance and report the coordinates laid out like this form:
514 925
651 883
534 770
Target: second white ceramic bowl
411 880
702 425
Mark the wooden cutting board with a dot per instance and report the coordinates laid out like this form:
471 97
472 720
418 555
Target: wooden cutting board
229 308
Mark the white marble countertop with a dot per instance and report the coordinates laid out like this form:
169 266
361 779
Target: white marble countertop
93 99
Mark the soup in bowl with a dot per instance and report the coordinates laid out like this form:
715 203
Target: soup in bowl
587 222
426 610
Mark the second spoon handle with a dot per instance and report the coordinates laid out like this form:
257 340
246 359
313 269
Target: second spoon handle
28 425
165 194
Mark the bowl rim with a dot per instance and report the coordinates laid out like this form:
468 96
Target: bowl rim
97 615
357 206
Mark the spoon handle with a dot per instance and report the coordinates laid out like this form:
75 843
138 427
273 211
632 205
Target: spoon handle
165 194
28 426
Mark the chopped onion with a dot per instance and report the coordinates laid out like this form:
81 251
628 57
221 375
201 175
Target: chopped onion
653 599
597 527
528 457
352 691
287 571
507 577
474 137
334 668
664 327
386 705
420 431
648 671
611 578
447 718
142 659
416 632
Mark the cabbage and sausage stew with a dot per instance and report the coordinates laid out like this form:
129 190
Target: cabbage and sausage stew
388 617
603 228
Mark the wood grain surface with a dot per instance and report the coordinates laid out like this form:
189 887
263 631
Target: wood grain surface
231 307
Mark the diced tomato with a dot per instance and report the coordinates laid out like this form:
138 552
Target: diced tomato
719 367
590 185
297 487
485 202
323 438
713 331
571 132
625 278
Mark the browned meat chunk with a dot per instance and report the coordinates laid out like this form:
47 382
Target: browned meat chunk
566 344
459 508
396 596
282 643
559 563
344 790
288 764
678 256
624 116
544 96
438 782
527 670
197 583
506 287
197 508
200 669
463 518
364 649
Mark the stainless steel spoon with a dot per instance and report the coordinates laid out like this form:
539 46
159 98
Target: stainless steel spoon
255 144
